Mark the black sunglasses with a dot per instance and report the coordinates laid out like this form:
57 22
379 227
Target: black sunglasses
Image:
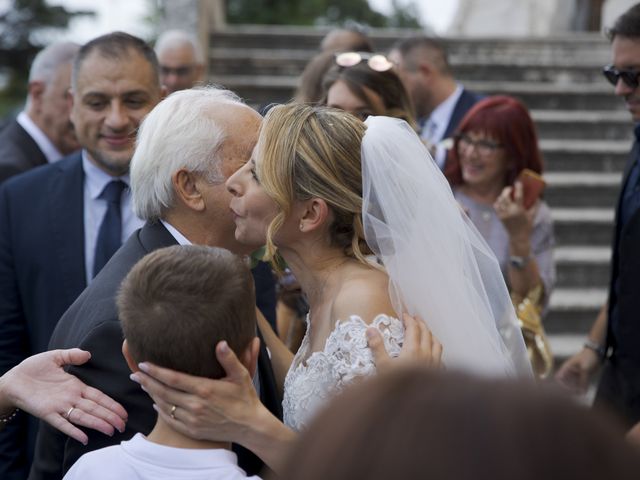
629 77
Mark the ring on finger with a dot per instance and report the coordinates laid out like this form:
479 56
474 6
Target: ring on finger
172 413
68 414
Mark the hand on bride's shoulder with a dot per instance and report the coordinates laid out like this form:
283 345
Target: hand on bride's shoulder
366 296
420 346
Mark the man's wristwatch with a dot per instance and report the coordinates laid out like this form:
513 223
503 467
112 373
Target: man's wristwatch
595 347
519 262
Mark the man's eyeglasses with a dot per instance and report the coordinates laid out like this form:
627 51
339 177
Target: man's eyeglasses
483 147
376 61
629 77
178 71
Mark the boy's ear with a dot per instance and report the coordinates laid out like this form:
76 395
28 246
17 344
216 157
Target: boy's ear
249 358
131 363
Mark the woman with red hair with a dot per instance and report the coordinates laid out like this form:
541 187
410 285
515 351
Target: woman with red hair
495 142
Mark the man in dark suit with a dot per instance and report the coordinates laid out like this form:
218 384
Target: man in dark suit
42 133
187 147
615 336
58 226
439 101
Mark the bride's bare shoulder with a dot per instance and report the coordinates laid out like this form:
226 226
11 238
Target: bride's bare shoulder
364 293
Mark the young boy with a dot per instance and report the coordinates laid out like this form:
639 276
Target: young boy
175 305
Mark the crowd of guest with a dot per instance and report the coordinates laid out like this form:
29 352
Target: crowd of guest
143 345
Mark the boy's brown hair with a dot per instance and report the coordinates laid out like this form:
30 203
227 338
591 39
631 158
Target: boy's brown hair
178 302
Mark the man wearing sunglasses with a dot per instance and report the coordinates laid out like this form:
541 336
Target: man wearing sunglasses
614 338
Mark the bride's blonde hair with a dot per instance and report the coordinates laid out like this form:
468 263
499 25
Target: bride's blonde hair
314 152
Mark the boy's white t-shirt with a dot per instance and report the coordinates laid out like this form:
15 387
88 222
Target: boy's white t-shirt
141 459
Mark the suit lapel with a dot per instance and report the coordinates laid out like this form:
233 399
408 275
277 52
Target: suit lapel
34 155
633 158
66 196
463 104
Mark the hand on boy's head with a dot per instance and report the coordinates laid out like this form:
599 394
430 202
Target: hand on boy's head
206 409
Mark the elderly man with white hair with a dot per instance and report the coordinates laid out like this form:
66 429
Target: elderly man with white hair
187 147
181 60
42 133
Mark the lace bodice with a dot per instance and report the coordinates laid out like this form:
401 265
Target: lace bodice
314 377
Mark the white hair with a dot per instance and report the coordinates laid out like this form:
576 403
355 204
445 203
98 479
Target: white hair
179 38
178 133
49 59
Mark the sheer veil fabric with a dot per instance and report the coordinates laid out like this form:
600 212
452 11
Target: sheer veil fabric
439 266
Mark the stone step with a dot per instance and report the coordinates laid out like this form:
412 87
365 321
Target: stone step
582 266
291 61
564 345
591 155
573 310
548 96
264 89
571 125
548 49
469 69
583 226
582 189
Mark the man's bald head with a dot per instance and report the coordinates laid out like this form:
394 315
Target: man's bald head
181 60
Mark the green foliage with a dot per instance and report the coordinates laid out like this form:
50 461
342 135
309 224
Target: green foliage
21 25
318 12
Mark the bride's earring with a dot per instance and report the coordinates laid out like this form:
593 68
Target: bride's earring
301 227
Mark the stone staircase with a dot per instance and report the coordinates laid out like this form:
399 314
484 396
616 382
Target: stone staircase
585 134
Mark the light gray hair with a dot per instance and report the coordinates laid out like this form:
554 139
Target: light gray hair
178 133
179 38
49 59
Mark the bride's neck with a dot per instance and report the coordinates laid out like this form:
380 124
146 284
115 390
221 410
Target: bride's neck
318 270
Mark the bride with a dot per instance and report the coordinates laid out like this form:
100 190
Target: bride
329 194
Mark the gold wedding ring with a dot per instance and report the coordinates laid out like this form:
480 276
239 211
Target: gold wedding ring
172 413
68 414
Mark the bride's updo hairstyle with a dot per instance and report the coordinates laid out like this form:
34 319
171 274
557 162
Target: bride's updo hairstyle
314 152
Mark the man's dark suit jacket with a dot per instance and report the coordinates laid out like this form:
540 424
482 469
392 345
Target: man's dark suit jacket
467 100
620 382
18 151
41 273
92 324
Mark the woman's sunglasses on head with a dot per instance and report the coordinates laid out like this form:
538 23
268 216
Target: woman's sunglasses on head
376 61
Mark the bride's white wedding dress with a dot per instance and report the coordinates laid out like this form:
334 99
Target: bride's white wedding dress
440 269
315 377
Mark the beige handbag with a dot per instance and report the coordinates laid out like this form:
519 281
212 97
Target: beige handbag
528 311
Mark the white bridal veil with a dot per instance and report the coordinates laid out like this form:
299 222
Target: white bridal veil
439 266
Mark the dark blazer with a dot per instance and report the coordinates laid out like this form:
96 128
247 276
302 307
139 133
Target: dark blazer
41 273
18 151
625 269
91 323
467 100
